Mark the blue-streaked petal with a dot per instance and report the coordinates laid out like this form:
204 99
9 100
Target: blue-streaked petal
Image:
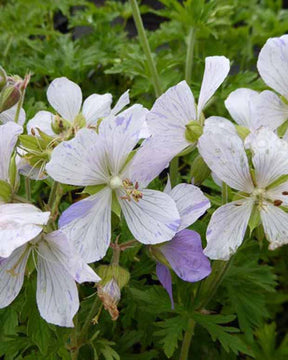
87 224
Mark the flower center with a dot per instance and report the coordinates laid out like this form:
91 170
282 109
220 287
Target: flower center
115 182
258 196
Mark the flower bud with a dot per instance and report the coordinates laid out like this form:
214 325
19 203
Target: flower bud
9 96
60 125
110 295
193 131
3 78
199 170
108 272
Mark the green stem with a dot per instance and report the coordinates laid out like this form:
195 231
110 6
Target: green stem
146 47
52 195
225 193
189 54
211 284
187 340
173 171
19 106
88 321
28 189
7 48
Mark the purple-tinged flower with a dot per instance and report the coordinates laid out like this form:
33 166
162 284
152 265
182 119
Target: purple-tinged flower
105 159
224 152
184 253
58 267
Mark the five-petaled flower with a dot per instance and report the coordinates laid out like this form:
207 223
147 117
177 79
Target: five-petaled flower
105 160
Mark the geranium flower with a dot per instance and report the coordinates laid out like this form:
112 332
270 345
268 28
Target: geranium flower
19 223
252 109
8 138
175 114
184 252
103 160
273 67
66 98
58 267
9 115
224 153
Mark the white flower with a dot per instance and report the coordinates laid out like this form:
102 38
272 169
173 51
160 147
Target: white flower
19 223
273 67
9 115
58 267
176 108
8 138
66 98
224 153
92 159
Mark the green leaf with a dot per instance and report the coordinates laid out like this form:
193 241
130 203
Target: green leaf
5 191
93 189
116 208
225 334
282 179
171 333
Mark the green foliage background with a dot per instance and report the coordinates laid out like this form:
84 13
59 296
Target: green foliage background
95 46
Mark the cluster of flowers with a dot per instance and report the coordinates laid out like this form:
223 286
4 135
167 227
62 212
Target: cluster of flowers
96 147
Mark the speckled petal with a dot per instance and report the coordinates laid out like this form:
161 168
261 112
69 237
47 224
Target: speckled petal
58 249
227 228
19 223
80 161
10 285
273 64
224 153
153 219
87 224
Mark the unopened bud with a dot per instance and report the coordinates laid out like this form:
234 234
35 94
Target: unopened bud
110 295
193 131
199 170
9 96
3 78
59 125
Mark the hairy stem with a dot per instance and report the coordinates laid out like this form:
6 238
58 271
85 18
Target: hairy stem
146 47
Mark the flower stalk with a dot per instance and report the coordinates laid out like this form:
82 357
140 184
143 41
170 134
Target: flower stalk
146 47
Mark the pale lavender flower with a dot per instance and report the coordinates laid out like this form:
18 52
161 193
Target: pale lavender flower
173 111
184 252
224 152
58 267
105 159
66 98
